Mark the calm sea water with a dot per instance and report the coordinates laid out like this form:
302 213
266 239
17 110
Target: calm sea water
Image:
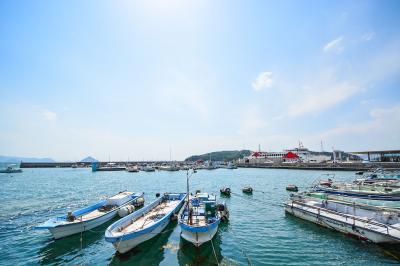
258 233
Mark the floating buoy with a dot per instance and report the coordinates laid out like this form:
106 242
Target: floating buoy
248 190
292 188
124 211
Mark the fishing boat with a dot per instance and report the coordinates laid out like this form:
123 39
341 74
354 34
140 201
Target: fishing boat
170 167
231 165
89 217
292 188
145 223
375 224
361 191
201 217
132 169
147 168
10 170
353 200
225 191
96 166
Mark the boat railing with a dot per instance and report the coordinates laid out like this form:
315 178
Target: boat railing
351 217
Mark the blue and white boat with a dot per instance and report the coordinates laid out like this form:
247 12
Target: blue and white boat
365 192
91 216
145 223
201 217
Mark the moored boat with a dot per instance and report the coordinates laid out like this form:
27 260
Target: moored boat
353 200
132 169
89 217
247 190
225 191
10 170
144 223
361 191
147 168
200 219
375 224
292 188
231 165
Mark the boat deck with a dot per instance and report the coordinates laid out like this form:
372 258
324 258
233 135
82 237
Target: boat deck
363 222
151 217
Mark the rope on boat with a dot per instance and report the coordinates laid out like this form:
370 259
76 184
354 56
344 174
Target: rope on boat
81 239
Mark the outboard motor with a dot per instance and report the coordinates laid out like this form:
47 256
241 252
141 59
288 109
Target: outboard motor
70 217
223 211
139 202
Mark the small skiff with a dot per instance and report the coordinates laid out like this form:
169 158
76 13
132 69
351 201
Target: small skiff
145 223
89 217
199 221
375 224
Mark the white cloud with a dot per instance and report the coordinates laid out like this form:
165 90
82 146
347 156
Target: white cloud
264 80
368 36
322 97
49 115
381 131
334 46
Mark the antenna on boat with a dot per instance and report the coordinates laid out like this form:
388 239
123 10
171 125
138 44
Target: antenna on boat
188 175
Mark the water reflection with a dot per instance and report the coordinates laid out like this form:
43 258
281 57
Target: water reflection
391 251
55 250
188 254
150 252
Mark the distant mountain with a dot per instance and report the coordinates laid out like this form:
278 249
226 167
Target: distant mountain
15 159
88 159
220 156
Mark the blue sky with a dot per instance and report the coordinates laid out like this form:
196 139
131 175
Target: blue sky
134 79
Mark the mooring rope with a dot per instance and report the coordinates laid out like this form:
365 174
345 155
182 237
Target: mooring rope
241 249
212 245
258 200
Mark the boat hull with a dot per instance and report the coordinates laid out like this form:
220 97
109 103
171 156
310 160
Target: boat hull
126 245
71 229
390 197
198 238
348 228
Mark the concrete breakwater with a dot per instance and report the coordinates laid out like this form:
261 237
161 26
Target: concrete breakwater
326 166
298 166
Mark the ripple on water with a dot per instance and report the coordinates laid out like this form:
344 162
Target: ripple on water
258 230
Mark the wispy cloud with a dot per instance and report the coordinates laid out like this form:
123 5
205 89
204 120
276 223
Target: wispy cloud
382 128
49 115
368 36
335 45
264 80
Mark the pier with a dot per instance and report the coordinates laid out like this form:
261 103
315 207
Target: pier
326 166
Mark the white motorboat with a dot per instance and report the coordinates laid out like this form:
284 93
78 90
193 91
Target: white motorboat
375 224
132 169
144 223
89 217
201 217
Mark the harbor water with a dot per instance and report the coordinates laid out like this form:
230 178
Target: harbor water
258 233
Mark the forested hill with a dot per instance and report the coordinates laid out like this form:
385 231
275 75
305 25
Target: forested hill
220 156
